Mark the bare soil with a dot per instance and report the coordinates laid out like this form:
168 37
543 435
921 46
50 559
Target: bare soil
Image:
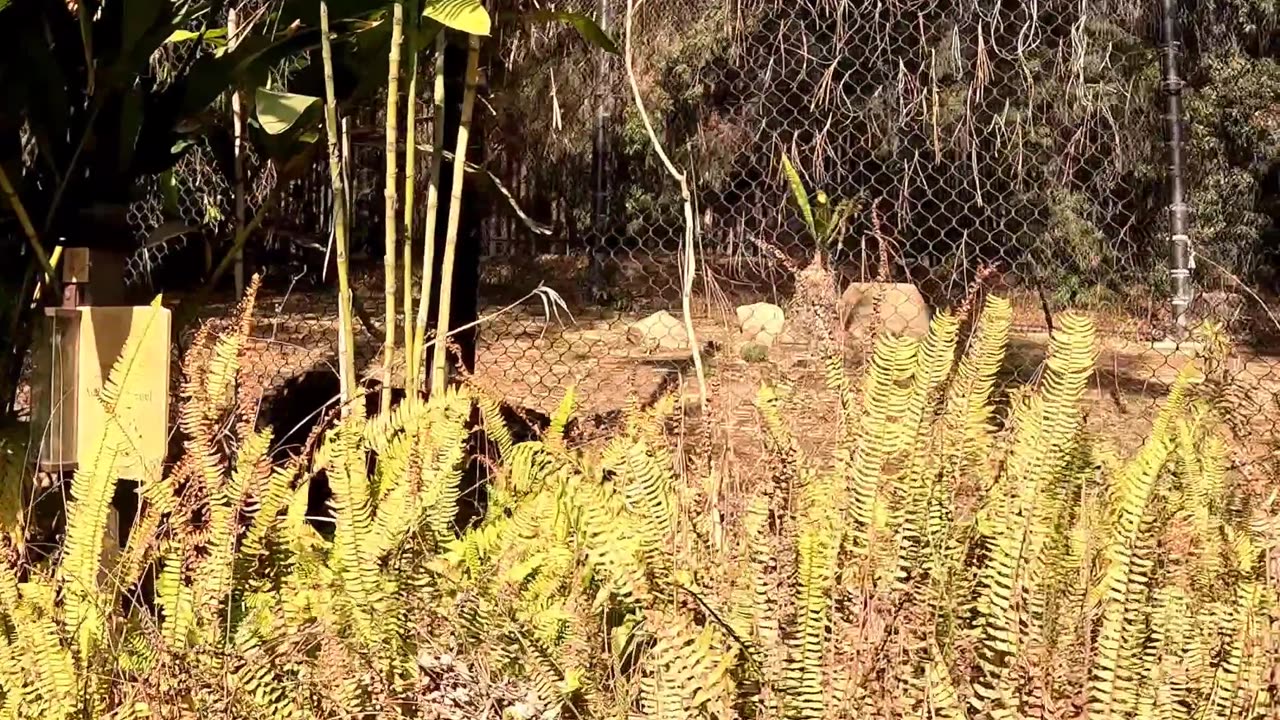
529 357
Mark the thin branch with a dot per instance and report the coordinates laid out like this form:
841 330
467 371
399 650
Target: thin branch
552 304
688 267
242 236
1240 284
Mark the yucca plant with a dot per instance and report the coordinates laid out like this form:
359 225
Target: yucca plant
825 218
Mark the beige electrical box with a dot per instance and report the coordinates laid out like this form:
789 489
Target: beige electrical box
77 349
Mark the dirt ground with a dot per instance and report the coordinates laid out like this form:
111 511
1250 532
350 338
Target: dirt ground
529 358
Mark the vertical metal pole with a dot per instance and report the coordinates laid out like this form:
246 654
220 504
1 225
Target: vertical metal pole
600 151
1180 261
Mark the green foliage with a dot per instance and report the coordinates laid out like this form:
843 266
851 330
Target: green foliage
277 112
799 194
824 219
1234 137
584 25
468 16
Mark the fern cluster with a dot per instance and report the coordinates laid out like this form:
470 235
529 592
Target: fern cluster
964 552
225 601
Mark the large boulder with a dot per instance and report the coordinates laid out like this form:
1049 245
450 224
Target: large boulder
901 310
659 331
760 323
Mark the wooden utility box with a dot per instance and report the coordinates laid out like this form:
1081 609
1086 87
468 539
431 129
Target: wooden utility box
77 348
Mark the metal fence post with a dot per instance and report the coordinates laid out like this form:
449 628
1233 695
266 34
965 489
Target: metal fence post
1180 260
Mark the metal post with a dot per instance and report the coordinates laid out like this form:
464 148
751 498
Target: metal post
1180 259
600 151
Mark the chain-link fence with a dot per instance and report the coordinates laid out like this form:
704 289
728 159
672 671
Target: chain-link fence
941 147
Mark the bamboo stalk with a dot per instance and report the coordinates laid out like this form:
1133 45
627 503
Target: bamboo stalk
411 382
390 194
439 364
346 339
28 229
40 285
433 206
237 120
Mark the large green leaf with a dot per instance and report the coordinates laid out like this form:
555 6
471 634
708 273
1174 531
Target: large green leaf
3 4
586 27
217 36
468 16
277 112
800 195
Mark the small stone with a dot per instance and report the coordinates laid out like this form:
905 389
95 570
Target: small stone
760 323
661 330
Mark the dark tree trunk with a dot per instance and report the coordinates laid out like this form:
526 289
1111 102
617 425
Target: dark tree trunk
465 301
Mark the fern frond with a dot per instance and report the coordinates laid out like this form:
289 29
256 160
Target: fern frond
687 670
1026 510
560 419
915 483
969 407
353 515
93 488
804 682
648 492
495 426
1124 584
275 498
881 441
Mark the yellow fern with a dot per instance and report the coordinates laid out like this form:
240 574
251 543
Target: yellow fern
94 485
882 440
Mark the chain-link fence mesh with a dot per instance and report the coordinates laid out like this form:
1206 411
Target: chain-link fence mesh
1016 148
937 143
